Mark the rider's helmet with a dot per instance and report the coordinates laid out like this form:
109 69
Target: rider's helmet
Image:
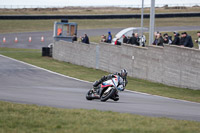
123 73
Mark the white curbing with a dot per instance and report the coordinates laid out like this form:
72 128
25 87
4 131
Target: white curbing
141 93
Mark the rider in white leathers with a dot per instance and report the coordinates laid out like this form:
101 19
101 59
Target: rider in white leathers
122 83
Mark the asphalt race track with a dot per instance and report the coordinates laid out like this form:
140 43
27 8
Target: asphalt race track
23 83
48 36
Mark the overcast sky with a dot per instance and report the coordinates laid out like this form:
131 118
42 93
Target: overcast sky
92 2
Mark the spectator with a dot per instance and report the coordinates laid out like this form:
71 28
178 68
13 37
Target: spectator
167 39
182 39
176 40
74 38
133 40
109 40
187 40
85 39
198 40
103 38
137 39
156 40
59 31
142 40
125 39
128 38
160 40
117 42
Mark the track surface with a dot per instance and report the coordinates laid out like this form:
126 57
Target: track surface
23 83
48 36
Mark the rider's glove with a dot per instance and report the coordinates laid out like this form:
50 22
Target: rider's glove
120 87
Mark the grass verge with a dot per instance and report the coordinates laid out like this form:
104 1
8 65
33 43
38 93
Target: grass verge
8 26
31 118
34 57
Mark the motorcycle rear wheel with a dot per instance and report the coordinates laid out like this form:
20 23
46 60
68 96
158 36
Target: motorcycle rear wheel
89 95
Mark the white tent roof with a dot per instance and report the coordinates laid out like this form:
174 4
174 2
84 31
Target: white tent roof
127 32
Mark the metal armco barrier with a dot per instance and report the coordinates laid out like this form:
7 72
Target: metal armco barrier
117 16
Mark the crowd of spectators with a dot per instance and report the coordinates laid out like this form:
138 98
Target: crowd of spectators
134 40
183 40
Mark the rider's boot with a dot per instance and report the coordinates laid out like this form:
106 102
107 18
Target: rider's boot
95 89
116 96
95 86
97 83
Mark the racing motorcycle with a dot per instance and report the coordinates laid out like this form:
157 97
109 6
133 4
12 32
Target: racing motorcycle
107 90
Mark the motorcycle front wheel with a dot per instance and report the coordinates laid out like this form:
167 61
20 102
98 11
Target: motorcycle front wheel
106 95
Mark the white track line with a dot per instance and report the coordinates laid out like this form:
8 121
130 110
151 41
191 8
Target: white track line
45 69
141 93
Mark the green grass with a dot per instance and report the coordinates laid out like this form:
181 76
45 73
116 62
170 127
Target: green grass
22 118
8 26
34 57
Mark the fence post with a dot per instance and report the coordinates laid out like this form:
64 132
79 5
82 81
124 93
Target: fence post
152 22
97 57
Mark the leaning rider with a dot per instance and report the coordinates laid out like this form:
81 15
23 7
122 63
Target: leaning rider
122 84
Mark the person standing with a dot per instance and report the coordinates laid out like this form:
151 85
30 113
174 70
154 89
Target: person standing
165 37
155 40
176 40
137 39
187 42
133 40
74 38
125 39
182 40
85 39
103 38
109 40
198 40
59 32
117 42
160 40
